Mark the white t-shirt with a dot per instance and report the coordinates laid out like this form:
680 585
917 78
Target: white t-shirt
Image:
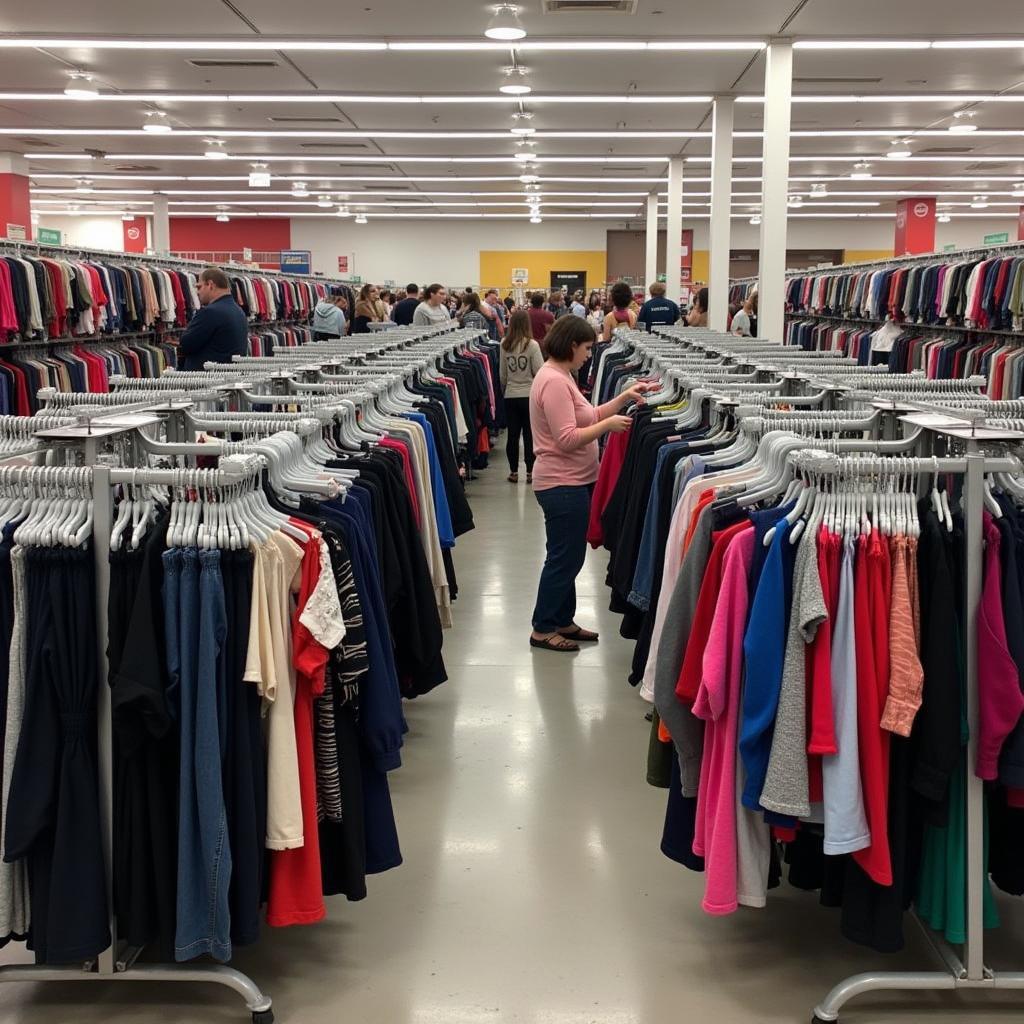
741 324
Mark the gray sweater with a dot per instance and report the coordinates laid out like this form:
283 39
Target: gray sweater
519 368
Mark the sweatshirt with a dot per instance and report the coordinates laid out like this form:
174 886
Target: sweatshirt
519 368
328 318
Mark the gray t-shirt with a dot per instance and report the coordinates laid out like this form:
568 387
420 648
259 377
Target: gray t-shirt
519 368
426 315
741 324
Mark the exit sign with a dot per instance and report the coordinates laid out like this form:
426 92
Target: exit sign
997 239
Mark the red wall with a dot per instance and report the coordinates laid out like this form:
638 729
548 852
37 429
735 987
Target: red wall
14 203
204 234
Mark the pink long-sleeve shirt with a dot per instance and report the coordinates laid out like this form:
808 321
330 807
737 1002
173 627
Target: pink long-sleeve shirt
718 703
558 414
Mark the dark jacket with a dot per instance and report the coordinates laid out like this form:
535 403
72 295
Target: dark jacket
215 334
658 311
404 309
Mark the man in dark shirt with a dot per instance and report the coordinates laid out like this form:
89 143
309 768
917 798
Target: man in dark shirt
657 309
219 330
405 308
540 318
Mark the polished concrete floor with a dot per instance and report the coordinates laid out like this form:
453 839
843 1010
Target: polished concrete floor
533 889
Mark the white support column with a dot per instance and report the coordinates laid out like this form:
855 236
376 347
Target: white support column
721 212
651 254
778 91
674 231
161 241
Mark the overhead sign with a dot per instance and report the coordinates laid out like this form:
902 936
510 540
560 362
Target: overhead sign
296 261
994 239
246 254
344 264
49 236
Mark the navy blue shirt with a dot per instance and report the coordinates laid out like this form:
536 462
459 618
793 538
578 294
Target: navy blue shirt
658 311
403 311
215 334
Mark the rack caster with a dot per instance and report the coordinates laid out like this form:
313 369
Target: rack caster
263 1017
814 1020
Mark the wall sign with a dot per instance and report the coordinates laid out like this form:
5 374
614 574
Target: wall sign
246 254
997 238
344 264
49 236
520 275
296 261
16 232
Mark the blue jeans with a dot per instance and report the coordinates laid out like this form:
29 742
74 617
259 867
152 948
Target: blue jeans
195 641
566 511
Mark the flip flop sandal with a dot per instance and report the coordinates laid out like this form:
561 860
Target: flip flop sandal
513 478
555 643
579 633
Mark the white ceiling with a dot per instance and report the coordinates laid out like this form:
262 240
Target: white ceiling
631 80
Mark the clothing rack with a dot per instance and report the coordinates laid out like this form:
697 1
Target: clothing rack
118 963
910 325
969 971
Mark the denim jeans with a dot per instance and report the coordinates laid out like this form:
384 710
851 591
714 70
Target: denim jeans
195 652
566 511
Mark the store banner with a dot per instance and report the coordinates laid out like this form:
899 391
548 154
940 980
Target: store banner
136 234
296 261
915 226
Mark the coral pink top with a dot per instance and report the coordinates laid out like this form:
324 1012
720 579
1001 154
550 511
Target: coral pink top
558 412
718 703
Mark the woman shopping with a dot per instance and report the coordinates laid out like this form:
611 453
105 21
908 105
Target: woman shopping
520 362
621 314
367 311
565 433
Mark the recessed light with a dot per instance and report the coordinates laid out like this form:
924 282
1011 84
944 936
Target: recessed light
83 186
156 122
222 218
979 203
962 124
360 218
525 157
536 219
80 87
505 26
861 171
324 202
259 177
755 220
900 150
943 218
1018 190
795 199
215 150
528 179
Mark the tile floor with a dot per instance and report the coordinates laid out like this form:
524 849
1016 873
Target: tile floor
533 889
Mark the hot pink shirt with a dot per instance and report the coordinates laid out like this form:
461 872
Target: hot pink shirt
718 703
558 412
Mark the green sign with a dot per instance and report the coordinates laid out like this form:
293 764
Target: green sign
949 247
48 236
662 278
997 239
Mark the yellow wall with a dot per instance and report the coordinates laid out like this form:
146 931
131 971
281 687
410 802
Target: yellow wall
496 265
701 267
860 255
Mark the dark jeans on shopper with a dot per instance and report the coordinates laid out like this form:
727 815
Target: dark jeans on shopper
517 418
566 512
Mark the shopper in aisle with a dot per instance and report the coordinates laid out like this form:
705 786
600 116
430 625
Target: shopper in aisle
434 308
698 315
471 312
621 315
541 319
329 316
510 304
566 428
556 303
658 309
746 317
499 322
577 308
367 311
595 311
405 308
520 361
219 330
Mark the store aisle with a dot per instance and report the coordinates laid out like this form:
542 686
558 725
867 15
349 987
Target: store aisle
533 889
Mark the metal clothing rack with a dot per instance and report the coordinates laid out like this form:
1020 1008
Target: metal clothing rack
969 970
909 325
118 961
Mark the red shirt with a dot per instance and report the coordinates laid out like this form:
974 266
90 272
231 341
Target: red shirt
540 322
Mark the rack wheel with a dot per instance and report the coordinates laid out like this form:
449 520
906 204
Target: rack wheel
818 1020
263 1017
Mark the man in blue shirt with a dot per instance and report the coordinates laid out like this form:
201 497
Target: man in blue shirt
219 330
657 309
405 308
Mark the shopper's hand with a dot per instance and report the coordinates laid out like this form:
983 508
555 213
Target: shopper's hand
617 424
636 392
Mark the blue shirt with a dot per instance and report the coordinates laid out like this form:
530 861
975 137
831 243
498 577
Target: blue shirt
658 311
215 334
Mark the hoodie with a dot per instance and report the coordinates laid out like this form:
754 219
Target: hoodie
328 319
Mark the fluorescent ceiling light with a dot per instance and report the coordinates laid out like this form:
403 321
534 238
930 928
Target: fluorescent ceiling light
978 44
223 218
59 156
33 42
515 89
862 44
943 218
536 219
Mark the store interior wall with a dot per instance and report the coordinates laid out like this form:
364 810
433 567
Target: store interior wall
461 253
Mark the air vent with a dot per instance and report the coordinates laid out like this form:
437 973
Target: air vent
982 169
348 146
306 120
35 142
136 168
215 62
369 168
620 169
945 150
589 6
835 81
